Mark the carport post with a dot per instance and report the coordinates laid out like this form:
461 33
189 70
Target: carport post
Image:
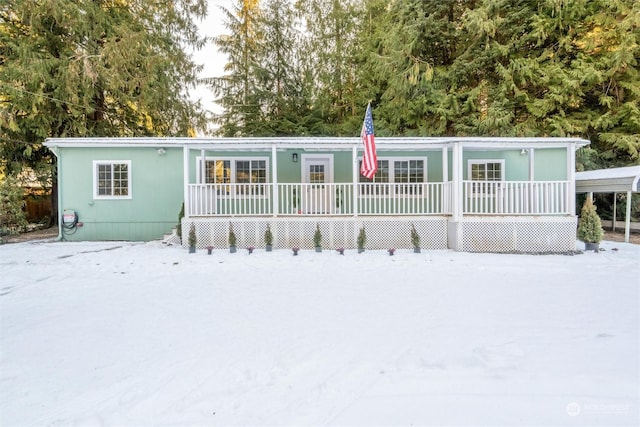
627 219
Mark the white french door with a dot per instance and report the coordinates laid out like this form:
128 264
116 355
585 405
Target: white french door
316 195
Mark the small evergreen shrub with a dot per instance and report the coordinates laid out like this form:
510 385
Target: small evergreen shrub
362 238
179 228
192 236
317 237
415 237
590 226
268 236
13 219
232 236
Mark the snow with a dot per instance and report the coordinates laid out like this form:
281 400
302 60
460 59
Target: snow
135 334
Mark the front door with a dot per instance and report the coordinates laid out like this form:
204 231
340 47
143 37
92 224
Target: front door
316 193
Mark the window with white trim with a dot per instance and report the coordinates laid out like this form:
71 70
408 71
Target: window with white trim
487 171
112 179
406 173
237 171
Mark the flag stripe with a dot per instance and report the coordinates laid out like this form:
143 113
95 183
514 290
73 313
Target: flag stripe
369 160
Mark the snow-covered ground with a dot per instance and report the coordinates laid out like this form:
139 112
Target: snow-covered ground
126 334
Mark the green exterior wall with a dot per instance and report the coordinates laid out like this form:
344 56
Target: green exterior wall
155 185
156 181
550 164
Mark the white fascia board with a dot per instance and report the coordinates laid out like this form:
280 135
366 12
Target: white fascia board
333 143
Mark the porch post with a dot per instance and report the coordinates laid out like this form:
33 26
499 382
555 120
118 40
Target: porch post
627 219
445 178
571 172
354 178
274 178
203 171
532 164
185 169
613 224
456 183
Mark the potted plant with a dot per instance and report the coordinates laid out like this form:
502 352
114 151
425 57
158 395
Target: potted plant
250 249
415 239
317 239
192 239
361 240
295 251
391 251
209 250
232 240
340 251
268 239
590 227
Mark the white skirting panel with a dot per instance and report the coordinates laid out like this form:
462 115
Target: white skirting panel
382 232
517 234
506 234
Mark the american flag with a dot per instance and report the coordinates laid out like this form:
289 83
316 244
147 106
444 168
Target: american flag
370 160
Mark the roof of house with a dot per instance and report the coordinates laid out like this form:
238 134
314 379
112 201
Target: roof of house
336 143
609 180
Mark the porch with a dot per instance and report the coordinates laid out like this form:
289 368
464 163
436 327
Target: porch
479 195
435 198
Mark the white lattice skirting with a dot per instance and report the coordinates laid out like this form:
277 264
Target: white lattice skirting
381 232
529 234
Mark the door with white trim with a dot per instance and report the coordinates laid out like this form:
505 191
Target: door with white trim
316 196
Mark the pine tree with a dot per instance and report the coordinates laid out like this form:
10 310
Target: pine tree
332 49
235 90
590 226
94 68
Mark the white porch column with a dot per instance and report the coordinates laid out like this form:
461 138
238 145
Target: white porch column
354 178
203 167
185 169
274 178
456 183
532 173
627 218
571 175
445 177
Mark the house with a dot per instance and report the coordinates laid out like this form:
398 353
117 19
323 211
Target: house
467 194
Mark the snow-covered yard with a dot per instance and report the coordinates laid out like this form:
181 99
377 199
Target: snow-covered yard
141 334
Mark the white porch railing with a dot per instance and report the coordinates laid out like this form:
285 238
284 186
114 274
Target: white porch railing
317 199
516 197
479 197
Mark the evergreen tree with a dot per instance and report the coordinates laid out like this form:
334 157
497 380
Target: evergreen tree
235 90
332 49
93 68
277 71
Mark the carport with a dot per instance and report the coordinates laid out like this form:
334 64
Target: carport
614 180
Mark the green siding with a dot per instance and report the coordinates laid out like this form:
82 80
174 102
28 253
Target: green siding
155 185
550 164
516 165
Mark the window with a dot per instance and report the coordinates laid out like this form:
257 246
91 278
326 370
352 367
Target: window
408 172
487 171
404 172
112 179
236 171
